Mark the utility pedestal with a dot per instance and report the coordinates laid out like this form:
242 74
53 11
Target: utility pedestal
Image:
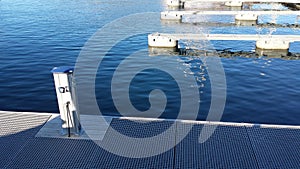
63 85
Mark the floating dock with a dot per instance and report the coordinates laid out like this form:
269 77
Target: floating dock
232 145
233 3
239 15
281 42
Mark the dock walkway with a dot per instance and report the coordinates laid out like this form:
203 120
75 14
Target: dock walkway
247 15
232 3
233 145
244 37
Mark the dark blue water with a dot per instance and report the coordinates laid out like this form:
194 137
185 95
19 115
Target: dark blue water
36 36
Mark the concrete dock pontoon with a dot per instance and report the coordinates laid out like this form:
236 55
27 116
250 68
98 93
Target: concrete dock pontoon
239 15
181 3
281 42
232 145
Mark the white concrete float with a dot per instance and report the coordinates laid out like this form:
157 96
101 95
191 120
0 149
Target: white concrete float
246 17
161 41
271 42
175 3
232 3
239 15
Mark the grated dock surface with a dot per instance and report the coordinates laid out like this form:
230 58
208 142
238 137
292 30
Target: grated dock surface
232 145
228 147
17 130
276 147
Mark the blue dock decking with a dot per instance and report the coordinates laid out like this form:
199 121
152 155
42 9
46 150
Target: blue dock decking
233 145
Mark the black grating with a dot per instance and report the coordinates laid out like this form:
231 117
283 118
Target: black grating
55 153
137 129
228 147
16 130
141 128
69 153
276 148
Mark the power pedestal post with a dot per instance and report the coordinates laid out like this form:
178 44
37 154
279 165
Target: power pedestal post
64 87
